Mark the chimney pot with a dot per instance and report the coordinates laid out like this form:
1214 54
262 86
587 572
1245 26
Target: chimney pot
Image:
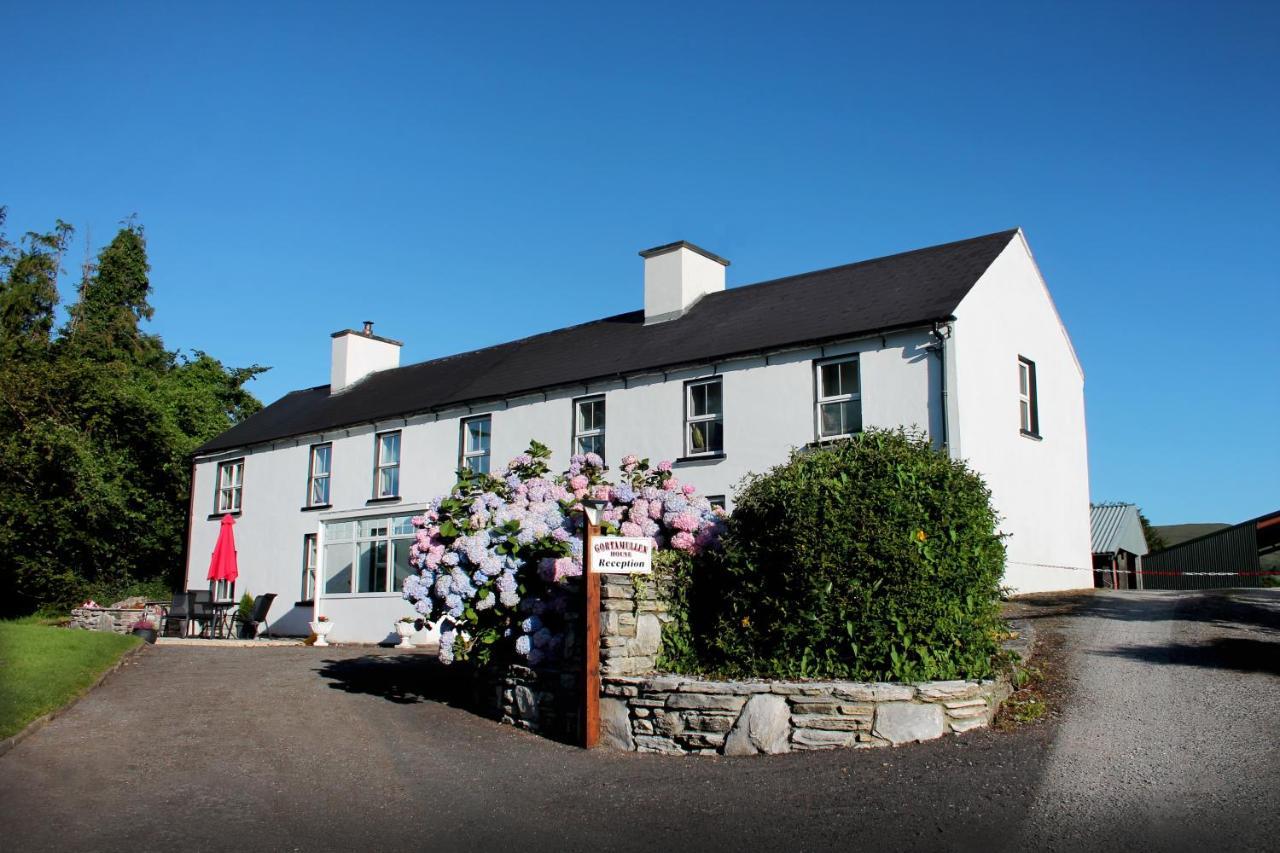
368 328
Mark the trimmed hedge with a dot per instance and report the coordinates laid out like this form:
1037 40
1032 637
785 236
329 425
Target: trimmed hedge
875 558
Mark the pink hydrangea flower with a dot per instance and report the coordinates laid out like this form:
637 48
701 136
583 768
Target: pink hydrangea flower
639 510
690 488
600 493
579 482
664 465
655 510
630 528
686 521
683 541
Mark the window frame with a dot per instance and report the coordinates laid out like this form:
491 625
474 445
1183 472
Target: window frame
379 466
310 565
597 432
819 400
690 419
327 476
354 542
234 489
464 454
1030 426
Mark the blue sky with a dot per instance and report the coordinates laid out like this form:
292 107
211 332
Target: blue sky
464 174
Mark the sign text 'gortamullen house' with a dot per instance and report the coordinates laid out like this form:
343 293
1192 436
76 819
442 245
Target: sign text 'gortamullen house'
621 555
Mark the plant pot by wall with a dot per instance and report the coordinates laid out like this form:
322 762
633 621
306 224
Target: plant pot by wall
148 634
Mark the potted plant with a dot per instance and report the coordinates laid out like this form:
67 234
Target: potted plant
321 628
406 628
145 628
244 612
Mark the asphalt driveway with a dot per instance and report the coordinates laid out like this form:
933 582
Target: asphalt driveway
346 749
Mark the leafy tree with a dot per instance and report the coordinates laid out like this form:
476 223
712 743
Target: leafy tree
1155 540
96 427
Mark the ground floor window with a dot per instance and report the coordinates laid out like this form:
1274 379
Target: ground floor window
223 590
310 557
367 554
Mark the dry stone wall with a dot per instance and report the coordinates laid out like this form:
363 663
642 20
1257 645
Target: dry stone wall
642 711
680 715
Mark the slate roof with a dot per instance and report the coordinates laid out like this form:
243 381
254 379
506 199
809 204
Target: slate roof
882 294
1116 526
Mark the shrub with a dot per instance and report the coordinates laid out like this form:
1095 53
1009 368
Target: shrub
874 558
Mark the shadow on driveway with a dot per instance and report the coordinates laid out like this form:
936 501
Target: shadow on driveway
403 679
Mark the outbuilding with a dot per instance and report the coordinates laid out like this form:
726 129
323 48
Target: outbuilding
1119 544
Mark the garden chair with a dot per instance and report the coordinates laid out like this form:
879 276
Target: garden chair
178 614
261 604
204 612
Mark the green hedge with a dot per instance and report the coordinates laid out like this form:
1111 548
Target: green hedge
876 558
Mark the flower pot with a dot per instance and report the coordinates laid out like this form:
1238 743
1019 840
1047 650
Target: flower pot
321 630
246 631
406 630
147 634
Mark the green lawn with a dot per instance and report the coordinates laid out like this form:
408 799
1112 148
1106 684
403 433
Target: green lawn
43 667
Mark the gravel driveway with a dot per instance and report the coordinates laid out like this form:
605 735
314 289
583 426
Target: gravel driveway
1170 738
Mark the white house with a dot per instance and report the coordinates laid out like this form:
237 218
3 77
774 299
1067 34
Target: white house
960 340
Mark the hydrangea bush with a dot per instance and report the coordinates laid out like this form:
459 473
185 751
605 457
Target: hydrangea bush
495 556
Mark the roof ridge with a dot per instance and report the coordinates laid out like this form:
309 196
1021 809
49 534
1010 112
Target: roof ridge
786 278
735 289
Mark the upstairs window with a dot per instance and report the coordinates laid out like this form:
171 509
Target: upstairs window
588 426
704 417
386 467
230 486
475 445
1028 402
838 409
318 475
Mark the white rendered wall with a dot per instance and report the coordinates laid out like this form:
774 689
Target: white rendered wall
769 409
1039 487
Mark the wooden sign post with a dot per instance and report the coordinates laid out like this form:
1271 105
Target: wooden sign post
591 641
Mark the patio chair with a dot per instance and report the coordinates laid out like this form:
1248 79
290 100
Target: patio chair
261 604
204 612
178 614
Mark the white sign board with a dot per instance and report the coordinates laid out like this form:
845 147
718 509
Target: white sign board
621 555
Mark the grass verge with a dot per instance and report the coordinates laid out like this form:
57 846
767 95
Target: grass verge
42 667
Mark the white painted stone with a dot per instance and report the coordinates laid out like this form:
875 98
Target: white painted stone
648 635
615 725
905 722
762 727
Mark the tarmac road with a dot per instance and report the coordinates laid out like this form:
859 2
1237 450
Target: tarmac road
1168 740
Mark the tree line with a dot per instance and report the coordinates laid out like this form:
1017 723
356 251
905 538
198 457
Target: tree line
98 420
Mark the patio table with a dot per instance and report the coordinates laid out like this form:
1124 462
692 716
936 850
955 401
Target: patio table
219 626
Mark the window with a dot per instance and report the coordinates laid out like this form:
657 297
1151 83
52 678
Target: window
367 555
1028 402
230 485
704 417
310 554
318 475
223 590
716 501
588 426
475 444
386 466
838 410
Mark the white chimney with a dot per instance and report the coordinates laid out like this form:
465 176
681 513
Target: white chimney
676 276
357 354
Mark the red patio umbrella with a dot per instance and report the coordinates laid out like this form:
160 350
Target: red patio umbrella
223 565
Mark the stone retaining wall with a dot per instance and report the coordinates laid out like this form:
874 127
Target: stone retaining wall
680 715
645 712
117 619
